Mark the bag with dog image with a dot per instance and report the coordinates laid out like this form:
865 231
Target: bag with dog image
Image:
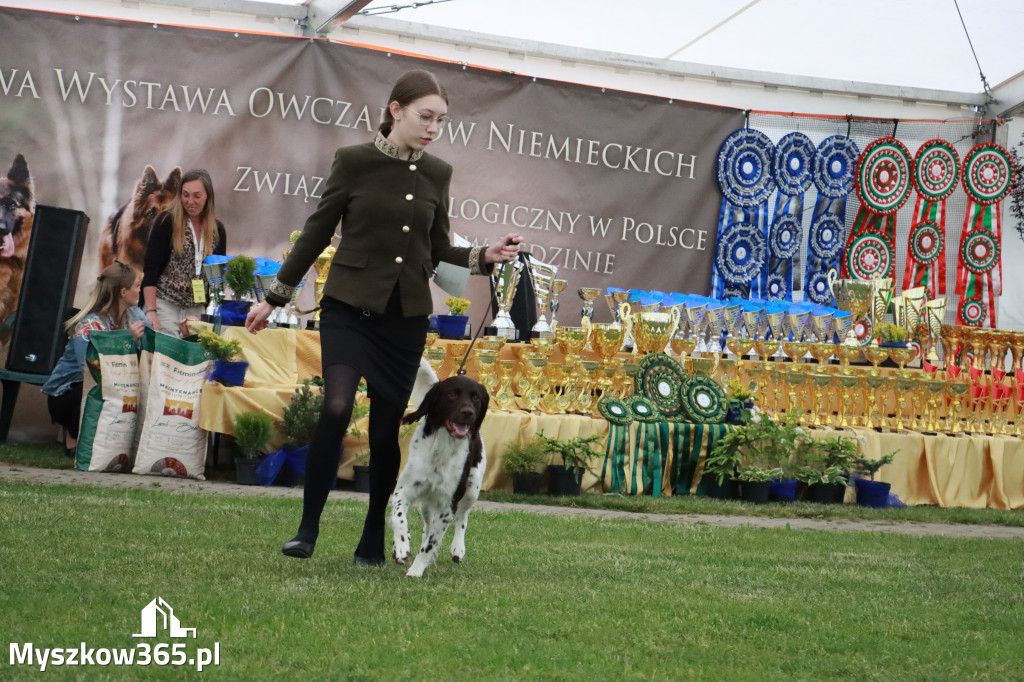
109 416
170 441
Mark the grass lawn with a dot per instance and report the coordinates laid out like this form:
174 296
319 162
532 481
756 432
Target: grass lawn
539 598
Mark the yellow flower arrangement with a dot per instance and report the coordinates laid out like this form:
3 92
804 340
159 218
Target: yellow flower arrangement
456 305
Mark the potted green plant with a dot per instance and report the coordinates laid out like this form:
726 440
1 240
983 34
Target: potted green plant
740 398
824 465
719 479
240 275
453 325
522 461
872 493
892 335
226 370
575 453
253 431
757 450
298 421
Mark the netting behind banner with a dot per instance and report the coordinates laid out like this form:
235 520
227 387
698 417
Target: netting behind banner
963 134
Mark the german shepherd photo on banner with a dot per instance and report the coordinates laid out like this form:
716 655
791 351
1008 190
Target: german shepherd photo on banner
17 211
126 234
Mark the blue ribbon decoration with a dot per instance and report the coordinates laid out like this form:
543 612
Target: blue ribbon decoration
796 159
745 175
833 176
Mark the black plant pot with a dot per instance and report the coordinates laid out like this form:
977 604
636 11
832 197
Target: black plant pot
728 490
826 493
755 492
527 484
562 481
288 478
361 478
245 470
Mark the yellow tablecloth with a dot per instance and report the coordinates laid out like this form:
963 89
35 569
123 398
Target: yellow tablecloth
961 471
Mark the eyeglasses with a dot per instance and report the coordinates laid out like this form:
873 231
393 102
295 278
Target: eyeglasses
427 119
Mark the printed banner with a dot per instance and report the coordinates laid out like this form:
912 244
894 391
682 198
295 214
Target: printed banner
616 189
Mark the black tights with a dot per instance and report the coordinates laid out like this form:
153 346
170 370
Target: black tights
340 383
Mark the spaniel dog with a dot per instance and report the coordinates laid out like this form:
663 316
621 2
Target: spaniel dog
444 470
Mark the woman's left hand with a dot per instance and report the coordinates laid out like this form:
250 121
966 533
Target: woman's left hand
137 328
505 250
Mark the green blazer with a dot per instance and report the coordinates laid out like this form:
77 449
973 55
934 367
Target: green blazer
394 230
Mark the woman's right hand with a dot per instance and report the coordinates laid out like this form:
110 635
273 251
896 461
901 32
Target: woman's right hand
257 317
154 321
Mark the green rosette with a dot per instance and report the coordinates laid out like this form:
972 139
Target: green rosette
643 410
661 379
704 401
615 410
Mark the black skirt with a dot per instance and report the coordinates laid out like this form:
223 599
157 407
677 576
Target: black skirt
384 349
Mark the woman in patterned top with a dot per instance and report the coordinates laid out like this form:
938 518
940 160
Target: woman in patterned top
111 306
181 239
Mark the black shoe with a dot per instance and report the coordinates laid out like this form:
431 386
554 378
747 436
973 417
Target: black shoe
70 452
368 561
300 549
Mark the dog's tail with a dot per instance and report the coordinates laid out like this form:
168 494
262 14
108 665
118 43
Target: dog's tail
425 378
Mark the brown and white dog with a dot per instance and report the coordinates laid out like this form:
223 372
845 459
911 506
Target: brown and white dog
444 471
126 234
17 212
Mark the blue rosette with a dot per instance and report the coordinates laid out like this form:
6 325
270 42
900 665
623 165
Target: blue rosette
740 254
795 161
784 240
745 168
837 163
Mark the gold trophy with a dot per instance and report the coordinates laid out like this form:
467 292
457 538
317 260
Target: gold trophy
934 311
853 296
651 330
913 305
322 265
542 276
557 287
588 295
506 278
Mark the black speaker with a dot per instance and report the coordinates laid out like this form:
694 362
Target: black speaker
47 289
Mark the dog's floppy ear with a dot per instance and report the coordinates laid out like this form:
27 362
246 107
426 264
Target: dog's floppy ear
427 407
485 399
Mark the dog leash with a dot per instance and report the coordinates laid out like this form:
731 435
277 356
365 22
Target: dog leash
462 371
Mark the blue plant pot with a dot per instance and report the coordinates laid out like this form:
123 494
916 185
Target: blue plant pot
782 491
452 326
872 493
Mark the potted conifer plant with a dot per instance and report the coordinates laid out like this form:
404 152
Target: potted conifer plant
298 421
253 430
522 460
240 275
575 453
872 493
226 370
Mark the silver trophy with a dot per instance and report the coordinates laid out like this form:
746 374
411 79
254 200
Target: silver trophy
215 276
506 279
263 282
542 276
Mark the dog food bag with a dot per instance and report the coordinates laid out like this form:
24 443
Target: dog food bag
107 433
171 442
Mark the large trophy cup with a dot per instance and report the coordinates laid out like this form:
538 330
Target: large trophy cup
322 265
853 296
506 278
214 268
542 276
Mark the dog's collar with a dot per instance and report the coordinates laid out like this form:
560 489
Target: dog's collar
391 149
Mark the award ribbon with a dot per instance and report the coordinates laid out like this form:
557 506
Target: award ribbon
935 173
795 160
619 418
745 162
833 178
882 179
987 176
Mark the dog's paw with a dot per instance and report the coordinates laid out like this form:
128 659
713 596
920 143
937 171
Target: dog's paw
415 571
402 559
457 558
